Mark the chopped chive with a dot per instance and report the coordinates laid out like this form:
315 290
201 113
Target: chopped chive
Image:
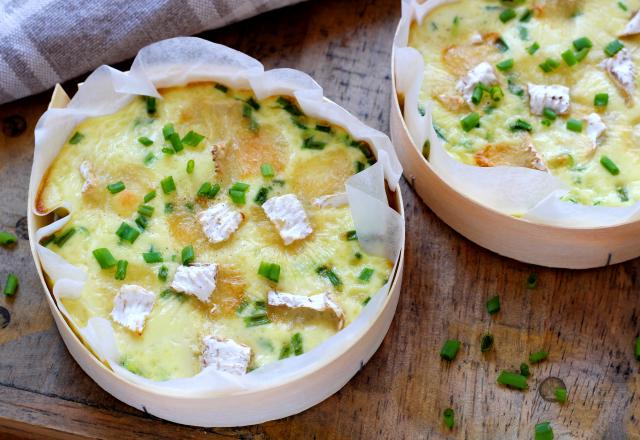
149 196
121 269
637 349
64 237
168 185
151 105
238 197
513 380
507 15
532 280
533 48
204 190
476 96
538 357
574 125
104 258
127 233
142 222
152 257
582 54
168 151
546 122
146 210
561 395
285 351
514 88
115 188
493 305
569 57
549 65
145 141
215 189
496 93
486 342
270 271
192 139
323 128
329 274
176 143
501 45
582 43
11 285
298 123
7 238
450 350
601 100
351 235
168 208
188 255
267 170
505 65
168 130
623 6
289 106
524 370
222 88
526 16
447 418
366 301
240 186
190 206
613 48
163 273
366 274
296 344
623 194
256 320
261 196
609 165
76 138
543 431
311 144
521 125
48 240
253 103
523 32
190 166
471 121
549 114
247 112
149 158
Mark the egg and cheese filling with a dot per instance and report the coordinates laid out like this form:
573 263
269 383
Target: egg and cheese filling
543 84
203 224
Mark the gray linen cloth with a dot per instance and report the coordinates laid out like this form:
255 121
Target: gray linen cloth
43 42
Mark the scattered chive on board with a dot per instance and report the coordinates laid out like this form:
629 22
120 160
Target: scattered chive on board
11 286
532 281
7 238
538 356
486 342
513 380
543 431
561 395
450 350
524 369
448 418
493 305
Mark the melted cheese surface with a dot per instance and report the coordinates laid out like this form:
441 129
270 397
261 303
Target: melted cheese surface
456 37
242 140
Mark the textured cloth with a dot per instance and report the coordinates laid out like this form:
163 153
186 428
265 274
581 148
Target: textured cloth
43 42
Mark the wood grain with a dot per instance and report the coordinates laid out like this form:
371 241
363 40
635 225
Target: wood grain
587 320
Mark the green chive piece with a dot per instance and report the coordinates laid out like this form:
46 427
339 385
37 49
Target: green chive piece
289 106
253 103
204 189
121 269
238 192
351 235
127 233
476 96
638 348
538 356
574 125
142 222
601 100
168 208
261 196
176 143
549 114
609 165
149 158
521 125
115 188
267 170
532 281
561 395
613 48
366 301
323 128
64 237
188 255
168 151
366 274
526 16
582 43
163 273
247 112
311 144
569 57
471 121
582 54
167 131
450 350
168 185
329 274
543 431
240 186
152 257
296 344
285 351
549 65
151 104
496 93
493 305
192 139
486 342
533 48
513 380
524 370
270 271
145 141
546 122
104 258
507 15
448 418
76 138
223 89
7 238
215 189
11 285
146 210
623 6
190 166
505 65
149 196
623 194
257 319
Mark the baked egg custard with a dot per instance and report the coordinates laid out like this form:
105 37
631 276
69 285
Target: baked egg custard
213 228
544 84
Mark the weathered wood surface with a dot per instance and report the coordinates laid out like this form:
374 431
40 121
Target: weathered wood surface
587 320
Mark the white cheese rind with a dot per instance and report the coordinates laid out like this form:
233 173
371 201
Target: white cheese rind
87 174
595 127
555 97
288 216
219 222
622 70
197 280
483 73
131 307
321 302
225 355
633 27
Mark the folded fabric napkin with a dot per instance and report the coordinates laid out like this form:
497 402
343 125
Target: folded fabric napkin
43 42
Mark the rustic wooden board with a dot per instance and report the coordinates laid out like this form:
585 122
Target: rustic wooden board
587 320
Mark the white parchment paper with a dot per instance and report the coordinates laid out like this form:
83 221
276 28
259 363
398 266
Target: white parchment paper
179 61
533 194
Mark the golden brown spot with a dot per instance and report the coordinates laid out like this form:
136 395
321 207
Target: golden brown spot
459 59
305 182
229 292
184 228
125 203
508 154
